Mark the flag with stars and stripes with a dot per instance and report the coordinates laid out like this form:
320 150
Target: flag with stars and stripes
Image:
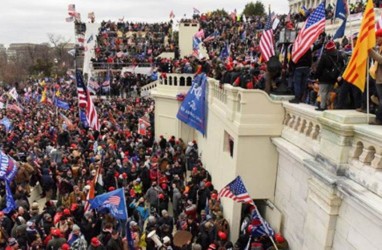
85 101
236 190
266 41
309 33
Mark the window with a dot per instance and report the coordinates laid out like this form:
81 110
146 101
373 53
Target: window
229 143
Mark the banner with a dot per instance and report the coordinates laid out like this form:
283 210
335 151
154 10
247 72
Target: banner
61 104
114 201
13 93
192 111
8 170
7 123
143 124
83 118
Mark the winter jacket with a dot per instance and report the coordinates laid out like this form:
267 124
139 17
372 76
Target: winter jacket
328 61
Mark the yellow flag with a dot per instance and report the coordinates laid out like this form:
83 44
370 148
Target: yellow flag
355 71
43 95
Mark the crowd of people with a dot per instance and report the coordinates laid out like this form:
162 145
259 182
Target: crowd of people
122 43
167 189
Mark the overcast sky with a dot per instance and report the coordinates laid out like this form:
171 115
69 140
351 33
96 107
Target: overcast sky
31 20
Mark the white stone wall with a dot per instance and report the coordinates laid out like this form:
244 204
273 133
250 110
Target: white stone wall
357 228
291 196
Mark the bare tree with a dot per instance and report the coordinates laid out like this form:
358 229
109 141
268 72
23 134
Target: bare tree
60 48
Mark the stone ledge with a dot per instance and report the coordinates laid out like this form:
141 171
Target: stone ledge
363 197
347 116
373 133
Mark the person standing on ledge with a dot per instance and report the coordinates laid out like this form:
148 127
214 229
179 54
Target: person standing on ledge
328 72
378 75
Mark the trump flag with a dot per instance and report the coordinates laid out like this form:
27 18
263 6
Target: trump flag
192 111
113 201
8 170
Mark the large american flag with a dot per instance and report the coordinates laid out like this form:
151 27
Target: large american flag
309 33
236 191
85 100
266 41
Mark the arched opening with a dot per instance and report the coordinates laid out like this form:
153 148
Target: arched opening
189 81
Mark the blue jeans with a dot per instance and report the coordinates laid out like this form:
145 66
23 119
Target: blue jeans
300 78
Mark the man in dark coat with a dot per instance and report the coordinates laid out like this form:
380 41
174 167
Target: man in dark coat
331 61
115 243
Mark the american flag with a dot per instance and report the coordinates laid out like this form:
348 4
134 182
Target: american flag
236 190
172 15
14 107
309 33
266 41
113 200
85 100
196 11
106 83
93 83
71 9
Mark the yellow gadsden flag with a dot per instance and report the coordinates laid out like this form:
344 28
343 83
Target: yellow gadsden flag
355 71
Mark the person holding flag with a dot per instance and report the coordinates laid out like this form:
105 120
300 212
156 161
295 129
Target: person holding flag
377 56
237 191
328 72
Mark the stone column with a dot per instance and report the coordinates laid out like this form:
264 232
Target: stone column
321 218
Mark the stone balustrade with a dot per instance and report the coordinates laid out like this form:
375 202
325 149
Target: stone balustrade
173 84
301 127
146 90
181 80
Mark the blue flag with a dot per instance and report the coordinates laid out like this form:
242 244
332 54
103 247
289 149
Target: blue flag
341 13
90 39
7 123
341 10
224 52
260 226
130 241
195 45
341 30
83 118
114 201
61 104
8 171
192 111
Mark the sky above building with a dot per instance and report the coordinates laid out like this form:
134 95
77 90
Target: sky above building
31 20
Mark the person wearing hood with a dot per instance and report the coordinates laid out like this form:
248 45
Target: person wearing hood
76 239
329 70
176 201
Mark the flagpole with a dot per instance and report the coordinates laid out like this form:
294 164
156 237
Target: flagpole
367 91
266 229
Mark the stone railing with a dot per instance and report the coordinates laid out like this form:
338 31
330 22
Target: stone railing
366 150
173 84
217 91
146 90
365 158
250 109
181 80
301 127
